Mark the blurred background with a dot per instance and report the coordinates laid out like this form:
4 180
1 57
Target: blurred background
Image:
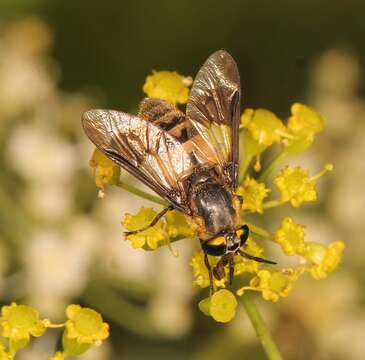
60 244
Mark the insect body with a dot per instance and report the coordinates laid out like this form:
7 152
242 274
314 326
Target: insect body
191 159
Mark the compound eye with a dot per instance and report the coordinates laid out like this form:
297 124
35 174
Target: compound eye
244 236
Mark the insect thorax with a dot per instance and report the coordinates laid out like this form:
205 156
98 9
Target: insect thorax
211 203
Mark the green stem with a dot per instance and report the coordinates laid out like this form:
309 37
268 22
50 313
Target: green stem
244 164
132 189
277 160
262 332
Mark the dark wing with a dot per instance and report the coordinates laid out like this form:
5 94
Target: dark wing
145 150
214 111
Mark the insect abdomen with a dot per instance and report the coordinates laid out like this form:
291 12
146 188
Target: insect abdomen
212 202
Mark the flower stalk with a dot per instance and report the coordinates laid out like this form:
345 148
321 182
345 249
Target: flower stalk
144 195
262 331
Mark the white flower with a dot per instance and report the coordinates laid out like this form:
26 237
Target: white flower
40 155
57 265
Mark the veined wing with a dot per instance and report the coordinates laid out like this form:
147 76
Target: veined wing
169 118
213 109
145 150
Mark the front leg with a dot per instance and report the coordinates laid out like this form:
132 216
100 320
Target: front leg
154 221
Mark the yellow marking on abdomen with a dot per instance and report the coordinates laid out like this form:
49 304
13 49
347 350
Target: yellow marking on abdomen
217 241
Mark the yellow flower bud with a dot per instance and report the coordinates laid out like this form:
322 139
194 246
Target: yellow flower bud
168 85
324 259
302 127
290 236
253 194
106 172
295 186
264 126
223 305
274 284
19 322
84 325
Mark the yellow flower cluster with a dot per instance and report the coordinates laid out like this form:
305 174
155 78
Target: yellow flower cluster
260 129
84 328
172 227
273 284
253 194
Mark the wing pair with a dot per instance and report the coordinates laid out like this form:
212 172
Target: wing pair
162 146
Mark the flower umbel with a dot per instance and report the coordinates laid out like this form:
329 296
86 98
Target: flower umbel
260 130
84 328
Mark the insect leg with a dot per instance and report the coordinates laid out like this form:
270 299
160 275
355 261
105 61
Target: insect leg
154 221
231 268
258 259
211 285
